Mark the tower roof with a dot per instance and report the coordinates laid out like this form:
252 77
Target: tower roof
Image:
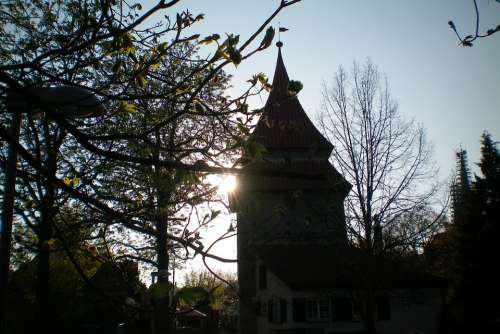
284 123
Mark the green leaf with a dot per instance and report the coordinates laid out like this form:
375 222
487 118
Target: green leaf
191 296
256 150
253 149
154 66
232 40
245 130
108 48
268 38
190 38
264 81
184 87
51 242
67 181
210 39
117 66
163 46
126 43
127 107
140 80
234 55
294 87
262 78
198 108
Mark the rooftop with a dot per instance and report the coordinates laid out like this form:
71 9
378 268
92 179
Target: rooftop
284 124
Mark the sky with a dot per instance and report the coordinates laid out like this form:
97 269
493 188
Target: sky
453 91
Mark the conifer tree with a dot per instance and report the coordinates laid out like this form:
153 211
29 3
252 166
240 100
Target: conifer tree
476 217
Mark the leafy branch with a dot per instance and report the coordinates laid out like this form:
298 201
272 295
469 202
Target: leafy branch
469 39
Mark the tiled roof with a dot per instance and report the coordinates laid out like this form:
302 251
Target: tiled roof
284 123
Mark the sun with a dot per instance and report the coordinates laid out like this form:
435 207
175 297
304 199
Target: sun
227 184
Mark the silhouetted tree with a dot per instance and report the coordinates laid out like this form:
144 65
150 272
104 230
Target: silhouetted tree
223 291
386 159
64 297
477 220
113 50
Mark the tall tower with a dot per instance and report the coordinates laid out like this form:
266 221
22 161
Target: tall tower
304 205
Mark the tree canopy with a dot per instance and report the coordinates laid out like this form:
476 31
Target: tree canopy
476 205
386 158
140 163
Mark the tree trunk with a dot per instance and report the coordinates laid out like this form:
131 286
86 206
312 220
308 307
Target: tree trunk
368 295
42 298
369 318
6 223
162 308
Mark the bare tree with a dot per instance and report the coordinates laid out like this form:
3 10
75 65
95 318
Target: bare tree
386 159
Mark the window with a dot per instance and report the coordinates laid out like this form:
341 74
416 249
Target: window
277 310
317 309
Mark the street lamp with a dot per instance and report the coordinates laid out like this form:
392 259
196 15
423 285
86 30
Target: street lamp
67 101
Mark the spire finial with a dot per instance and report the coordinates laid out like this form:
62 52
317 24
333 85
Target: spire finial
281 29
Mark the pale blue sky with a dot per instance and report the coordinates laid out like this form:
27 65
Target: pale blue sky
453 91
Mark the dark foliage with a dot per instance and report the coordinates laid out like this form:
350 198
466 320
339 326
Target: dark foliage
477 221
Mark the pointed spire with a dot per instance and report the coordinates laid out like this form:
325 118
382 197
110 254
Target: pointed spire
284 123
280 80
460 189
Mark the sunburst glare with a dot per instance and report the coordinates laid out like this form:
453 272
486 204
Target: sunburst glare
227 184
224 183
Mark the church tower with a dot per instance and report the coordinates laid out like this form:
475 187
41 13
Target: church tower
292 197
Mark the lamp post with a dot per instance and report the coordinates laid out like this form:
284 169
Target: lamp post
66 101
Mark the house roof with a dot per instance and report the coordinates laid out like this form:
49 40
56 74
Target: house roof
328 267
191 314
284 123
286 132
